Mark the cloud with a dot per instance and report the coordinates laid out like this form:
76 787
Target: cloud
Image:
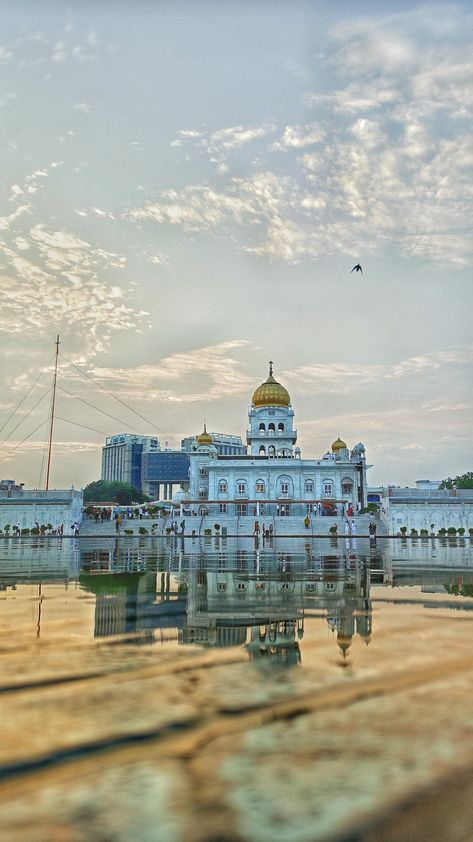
204 374
384 160
342 377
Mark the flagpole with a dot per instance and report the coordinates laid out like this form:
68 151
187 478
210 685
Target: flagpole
52 413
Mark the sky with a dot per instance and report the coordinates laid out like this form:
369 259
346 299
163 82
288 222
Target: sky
185 188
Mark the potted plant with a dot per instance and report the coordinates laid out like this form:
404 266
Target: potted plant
461 531
424 533
403 531
168 530
470 532
25 532
207 531
414 533
217 527
142 530
451 531
128 531
442 532
7 528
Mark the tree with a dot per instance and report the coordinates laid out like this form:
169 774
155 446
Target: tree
463 481
113 492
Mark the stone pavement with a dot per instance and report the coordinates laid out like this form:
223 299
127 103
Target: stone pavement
106 742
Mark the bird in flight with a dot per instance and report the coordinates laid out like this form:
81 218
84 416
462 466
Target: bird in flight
357 268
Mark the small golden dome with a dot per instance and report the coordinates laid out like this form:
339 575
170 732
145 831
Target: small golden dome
205 437
271 393
338 445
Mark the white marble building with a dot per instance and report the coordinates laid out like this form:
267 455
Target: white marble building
55 507
426 507
273 478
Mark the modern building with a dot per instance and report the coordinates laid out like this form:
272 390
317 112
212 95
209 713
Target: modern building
9 488
226 445
121 457
163 473
273 478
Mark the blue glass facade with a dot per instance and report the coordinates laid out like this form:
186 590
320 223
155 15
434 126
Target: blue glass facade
165 466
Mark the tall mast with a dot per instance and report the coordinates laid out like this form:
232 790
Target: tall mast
52 413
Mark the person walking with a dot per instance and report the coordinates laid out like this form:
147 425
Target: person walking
353 527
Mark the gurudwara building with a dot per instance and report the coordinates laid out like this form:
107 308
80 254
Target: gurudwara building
273 478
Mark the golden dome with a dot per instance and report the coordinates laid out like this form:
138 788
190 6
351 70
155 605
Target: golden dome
338 445
271 393
205 437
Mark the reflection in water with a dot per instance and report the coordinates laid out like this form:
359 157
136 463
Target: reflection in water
217 593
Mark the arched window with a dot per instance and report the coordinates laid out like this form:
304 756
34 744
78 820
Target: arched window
202 493
259 487
309 486
222 486
262 428
262 450
347 485
271 451
271 427
281 427
241 488
202 470
327 488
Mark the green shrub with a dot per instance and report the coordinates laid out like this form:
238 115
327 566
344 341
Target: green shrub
403 530
207 531
217 527
414 532
168 530
424 532
25 532
34 531
470 532
442 531
7 527
128 531
451 531
142 530
333 530
461 530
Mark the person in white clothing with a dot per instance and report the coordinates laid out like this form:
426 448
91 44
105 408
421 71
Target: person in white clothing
353 527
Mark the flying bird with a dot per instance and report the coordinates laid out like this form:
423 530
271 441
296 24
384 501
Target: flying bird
357 268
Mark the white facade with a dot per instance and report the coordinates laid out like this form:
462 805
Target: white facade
273 478
427 508
56 507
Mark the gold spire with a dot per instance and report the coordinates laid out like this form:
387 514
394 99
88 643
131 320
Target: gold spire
205 437
271 393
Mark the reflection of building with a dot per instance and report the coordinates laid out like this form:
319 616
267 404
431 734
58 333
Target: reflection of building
273 478
263 609
266 611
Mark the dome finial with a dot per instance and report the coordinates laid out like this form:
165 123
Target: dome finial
270 368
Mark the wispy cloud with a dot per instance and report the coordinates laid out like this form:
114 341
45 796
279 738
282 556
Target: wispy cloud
204 374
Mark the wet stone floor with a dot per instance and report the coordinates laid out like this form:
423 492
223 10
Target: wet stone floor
202 690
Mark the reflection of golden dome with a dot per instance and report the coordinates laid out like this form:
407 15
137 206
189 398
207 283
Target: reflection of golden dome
271 393
338 445
205 437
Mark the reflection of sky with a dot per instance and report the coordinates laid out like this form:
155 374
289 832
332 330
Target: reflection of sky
185 191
